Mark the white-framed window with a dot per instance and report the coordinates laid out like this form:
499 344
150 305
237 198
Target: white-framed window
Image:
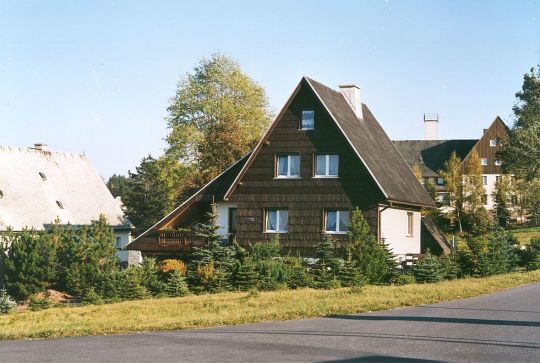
327 165
493 143
277 220
307 121
484 161
498 162
336 221
440 181
288 166
410 224
484 179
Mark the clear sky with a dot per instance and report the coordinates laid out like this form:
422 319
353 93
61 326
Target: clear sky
97 76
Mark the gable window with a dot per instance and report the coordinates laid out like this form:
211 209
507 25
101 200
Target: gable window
493 143
288 166
498 162
484 179
440 181
277 220
327 165
484 161
308 120
410 224
337 221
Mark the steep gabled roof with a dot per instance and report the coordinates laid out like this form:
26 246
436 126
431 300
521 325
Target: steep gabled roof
432 154
216 188
369 141
37 187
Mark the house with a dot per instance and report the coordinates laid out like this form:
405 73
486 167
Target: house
38 187
431 153
324 155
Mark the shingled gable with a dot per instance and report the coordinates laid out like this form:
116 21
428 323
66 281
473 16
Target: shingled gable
369 141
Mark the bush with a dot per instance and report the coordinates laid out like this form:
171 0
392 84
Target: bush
7 304
129 285
299 275
403 279
428 269
325 278
451 267
350 275
151 277
91 297
172 264
37 303
530 255
266 250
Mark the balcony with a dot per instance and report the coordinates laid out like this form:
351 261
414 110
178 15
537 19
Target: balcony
169 241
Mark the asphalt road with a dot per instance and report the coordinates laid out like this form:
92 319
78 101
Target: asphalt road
502 327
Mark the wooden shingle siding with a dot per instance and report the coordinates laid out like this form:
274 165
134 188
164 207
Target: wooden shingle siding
496 131
305 198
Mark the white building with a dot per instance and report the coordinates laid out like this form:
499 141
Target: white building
38 187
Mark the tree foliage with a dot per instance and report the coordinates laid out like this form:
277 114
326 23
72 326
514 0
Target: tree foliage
520 151
217 115
454 188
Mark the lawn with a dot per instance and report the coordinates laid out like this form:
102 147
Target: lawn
237 308
524 235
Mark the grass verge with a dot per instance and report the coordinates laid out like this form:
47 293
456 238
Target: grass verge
239 308
524 235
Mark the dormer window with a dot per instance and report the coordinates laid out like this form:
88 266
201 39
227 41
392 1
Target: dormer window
59 204
493 143
308 120
42 175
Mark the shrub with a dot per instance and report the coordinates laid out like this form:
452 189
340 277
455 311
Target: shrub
91 297
403 279
299 275
151 276
266 250
451 267
176 285
350 275
246 276
530 255
37 303
171 264
7 304
428 269
499 256
129 285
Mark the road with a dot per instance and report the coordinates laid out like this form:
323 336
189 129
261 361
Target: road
503 327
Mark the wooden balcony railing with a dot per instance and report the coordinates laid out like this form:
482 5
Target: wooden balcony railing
182 240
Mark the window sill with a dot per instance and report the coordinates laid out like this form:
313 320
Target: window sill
304 130
280 232
324 177
334 232
287 177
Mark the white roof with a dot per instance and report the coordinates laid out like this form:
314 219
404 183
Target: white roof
28 200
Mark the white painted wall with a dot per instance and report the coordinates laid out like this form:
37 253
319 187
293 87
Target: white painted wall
222 210
394 227
490 189
130 257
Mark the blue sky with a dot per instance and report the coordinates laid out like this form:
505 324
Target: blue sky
97 76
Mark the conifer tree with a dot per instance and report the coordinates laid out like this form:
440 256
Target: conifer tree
428 269
150 276
373 259
246 277
129 285
176 285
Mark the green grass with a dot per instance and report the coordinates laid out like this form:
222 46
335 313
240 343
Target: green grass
524 235
238 308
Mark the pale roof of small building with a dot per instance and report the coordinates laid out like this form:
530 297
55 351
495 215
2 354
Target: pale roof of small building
38 187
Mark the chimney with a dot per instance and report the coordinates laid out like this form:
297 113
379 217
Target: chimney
41 147
351 92
431 126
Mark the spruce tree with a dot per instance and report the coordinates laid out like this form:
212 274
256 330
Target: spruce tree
176 285
129 285
373 259
246 276
428 269
150 276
